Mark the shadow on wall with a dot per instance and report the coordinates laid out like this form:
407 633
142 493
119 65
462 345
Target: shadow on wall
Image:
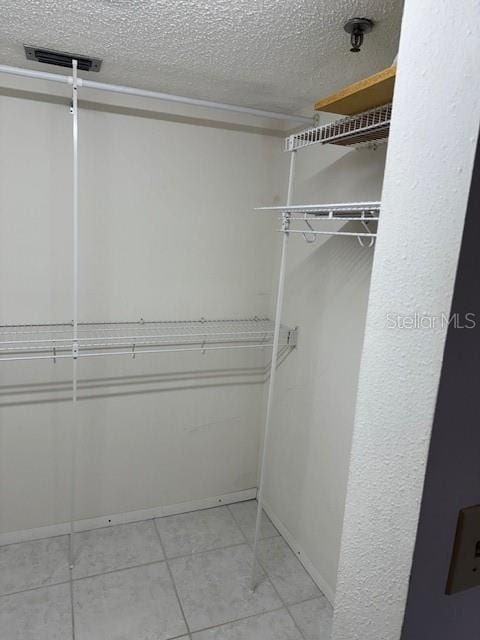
327 295
32 393
320 269
358 166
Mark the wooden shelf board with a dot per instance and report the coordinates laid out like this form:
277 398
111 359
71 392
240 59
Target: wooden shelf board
363 95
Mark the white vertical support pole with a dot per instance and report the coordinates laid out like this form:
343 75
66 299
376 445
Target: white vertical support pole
73 432
273 367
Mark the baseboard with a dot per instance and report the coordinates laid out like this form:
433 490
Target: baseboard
169 510
122 518
321 583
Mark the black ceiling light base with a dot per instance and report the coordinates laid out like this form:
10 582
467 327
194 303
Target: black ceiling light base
61 58
357 28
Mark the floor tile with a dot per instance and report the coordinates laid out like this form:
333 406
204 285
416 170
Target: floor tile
41 614
286 572
314 618
214 587
198 531
117 547
132 604
245 514
276 625
33 564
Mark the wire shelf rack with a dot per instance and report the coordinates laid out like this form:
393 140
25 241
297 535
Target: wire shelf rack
332 211
302 218
52 341
363 129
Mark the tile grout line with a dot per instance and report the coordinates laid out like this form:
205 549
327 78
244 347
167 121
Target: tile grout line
103 573
146 564
253 615
106 573
240 544
225 624
279 535
42 586
189 633
246 542
97 575
57 535
320 597
280 597
197 553
263 567
267 575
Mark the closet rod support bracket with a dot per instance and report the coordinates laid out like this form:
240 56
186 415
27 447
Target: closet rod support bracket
292 338
286 221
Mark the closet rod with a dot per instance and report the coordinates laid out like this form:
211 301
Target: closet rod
145 93
315 218
139 351
356 234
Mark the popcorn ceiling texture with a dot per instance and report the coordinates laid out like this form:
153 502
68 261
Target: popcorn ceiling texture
260 53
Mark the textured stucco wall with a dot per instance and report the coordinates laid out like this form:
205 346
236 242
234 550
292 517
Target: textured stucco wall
429 164
453 472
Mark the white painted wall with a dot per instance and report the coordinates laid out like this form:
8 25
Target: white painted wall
166 232
166 208
326 295
436 117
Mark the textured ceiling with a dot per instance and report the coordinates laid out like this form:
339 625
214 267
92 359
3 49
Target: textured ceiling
276 55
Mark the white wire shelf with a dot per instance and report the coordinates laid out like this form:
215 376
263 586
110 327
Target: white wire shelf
363 129
301 219
52 341
332 211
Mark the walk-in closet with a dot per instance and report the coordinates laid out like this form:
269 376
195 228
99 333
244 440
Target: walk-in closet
191 200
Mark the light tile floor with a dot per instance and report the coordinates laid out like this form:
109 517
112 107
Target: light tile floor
184 576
